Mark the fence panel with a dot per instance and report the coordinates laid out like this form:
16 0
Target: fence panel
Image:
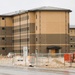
40 60
51 60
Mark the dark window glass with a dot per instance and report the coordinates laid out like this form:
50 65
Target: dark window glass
36 27
36 39
12 31
3 38
27 28
71 46
36 16
20 29
12 40
3 18
3 48
13 20
71 38
28 50
27 39
3 28
27 17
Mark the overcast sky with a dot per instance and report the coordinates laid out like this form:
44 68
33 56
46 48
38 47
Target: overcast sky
14 5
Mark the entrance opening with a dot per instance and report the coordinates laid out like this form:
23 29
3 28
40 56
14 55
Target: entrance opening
53 49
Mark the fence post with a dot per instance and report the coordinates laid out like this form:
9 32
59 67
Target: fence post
64 60
48 59
71 57
42 59
36 58
13 60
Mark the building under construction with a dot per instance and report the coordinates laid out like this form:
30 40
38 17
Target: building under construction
44 29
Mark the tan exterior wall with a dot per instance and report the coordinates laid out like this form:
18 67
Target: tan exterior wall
52 22
6 44
25 23
72 40
51 25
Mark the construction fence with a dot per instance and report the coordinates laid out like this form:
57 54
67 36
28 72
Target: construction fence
53 60
40 60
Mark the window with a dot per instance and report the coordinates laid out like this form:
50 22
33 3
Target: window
13 41
3 28
12 31
27 28
36 39
71 46
28 50
36 27
3 18
3 48
13 20
70 38
70 31
3 38
28 17
27 39
20 29
36 16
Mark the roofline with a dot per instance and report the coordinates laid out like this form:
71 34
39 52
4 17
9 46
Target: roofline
33 11
41 10
5 15
72 26
51 10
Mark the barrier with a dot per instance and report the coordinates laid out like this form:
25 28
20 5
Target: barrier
41 60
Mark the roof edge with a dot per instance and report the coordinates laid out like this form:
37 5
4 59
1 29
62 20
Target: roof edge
45 8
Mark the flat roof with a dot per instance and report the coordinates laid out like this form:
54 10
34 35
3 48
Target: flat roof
72 26
45 8
49 8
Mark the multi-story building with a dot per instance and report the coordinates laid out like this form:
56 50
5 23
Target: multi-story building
44 30
72 38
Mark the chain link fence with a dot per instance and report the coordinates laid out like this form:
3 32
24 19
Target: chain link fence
48 60
38 60
45 60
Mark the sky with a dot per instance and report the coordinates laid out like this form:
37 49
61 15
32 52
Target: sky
7 6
